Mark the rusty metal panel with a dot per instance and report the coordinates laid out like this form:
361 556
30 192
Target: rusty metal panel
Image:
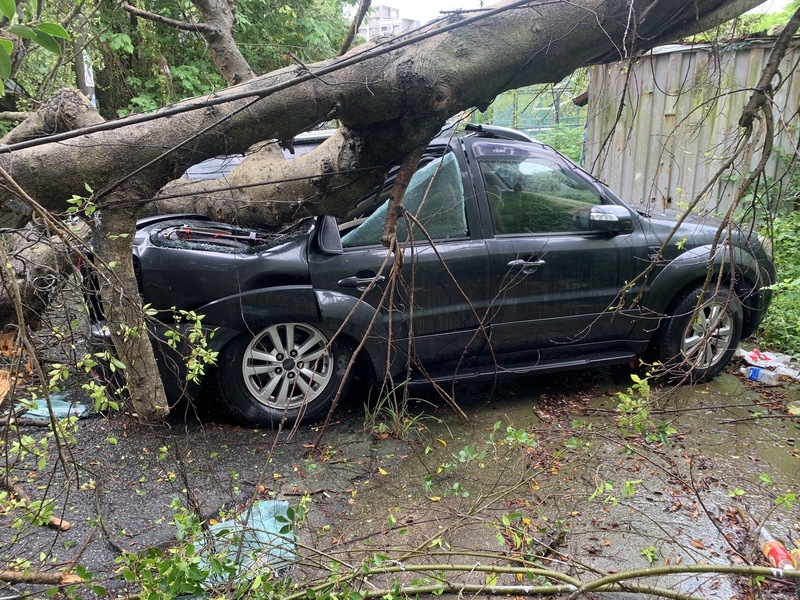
658 130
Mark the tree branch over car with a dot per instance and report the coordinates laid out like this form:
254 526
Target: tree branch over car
390 97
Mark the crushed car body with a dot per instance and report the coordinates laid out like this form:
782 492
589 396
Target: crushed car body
515 261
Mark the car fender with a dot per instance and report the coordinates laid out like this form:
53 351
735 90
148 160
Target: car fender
692 266
254 310
355 317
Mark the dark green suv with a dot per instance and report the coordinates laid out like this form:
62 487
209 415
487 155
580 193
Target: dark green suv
515 261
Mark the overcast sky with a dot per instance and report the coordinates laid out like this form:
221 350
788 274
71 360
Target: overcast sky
425 10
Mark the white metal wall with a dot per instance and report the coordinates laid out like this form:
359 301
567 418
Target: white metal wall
679 121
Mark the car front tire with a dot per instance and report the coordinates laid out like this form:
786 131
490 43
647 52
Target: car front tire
697 344
286 371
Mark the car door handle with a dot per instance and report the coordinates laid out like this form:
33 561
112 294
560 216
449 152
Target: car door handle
360 283
527 266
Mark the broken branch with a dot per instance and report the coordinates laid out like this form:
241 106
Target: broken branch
21 494
156 18
39 577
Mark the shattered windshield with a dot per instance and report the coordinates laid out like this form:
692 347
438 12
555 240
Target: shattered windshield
435 197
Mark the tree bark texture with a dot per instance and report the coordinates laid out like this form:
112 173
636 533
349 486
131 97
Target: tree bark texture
124 316
217 31
220 16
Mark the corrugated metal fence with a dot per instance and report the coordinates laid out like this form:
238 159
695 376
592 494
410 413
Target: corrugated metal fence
679 121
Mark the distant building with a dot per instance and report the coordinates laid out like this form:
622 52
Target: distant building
385 21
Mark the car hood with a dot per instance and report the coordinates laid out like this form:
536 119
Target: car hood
189 262
695 230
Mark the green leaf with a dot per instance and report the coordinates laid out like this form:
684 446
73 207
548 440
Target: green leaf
5 63
8 8
22 31
53 29
47 42
7 45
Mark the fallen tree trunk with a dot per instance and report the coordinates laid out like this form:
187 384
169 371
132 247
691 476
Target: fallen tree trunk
392 97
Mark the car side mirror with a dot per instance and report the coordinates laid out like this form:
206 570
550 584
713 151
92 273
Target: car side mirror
328 238
611 218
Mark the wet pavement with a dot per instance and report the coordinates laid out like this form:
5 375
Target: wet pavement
542 474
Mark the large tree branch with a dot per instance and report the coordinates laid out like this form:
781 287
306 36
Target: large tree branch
10 115
391 96
221 17
358 18
217 31
67 110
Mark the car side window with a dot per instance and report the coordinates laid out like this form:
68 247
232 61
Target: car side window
435 197
534 194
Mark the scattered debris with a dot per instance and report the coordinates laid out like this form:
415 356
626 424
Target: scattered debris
14 363
760 375
5 386
16 489
61 405
767 367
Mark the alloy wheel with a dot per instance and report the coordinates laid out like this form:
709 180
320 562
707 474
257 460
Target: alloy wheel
287 365
708 335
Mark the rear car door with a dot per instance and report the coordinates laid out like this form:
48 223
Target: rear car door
555 282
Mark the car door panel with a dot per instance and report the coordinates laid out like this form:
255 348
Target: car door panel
555 282
433 309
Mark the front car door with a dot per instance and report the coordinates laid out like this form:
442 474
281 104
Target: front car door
437 307
555 282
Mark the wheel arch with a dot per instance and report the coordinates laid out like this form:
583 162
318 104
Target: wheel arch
254 310
353 317
336 312
700 344
690 269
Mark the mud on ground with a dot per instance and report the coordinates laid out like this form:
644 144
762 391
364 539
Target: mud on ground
542 475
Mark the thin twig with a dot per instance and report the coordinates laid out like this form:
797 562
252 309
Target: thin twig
156 18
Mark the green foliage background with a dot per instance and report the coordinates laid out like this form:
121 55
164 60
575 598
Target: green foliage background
140 65
781 329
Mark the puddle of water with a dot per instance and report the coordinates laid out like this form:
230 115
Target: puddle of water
583 494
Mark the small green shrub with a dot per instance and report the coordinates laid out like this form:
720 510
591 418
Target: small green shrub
781 328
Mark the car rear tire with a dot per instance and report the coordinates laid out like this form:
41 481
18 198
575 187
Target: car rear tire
698 344
288 371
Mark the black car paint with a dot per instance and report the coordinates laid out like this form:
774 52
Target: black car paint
554 317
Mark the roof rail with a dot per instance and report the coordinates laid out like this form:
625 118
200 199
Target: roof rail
495 131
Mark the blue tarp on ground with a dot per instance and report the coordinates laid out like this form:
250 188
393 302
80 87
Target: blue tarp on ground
61 405
262 539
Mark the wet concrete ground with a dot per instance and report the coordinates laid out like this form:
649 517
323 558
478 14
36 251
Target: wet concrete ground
541 473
